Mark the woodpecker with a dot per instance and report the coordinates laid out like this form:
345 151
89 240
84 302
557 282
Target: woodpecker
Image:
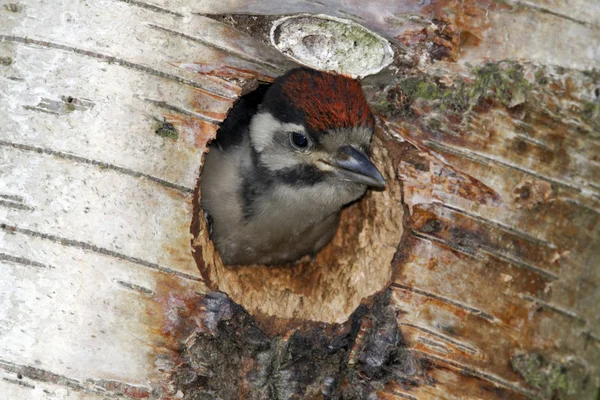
286 160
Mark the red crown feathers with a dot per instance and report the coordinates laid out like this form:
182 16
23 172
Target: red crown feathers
328 101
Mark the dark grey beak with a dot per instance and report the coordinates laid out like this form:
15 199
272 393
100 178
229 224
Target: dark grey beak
354 166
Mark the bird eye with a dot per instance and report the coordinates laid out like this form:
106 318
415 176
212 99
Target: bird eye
299 140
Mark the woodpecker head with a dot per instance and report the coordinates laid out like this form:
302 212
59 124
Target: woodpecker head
312 133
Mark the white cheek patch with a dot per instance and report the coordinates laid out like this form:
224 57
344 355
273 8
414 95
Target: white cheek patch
264 127
262 130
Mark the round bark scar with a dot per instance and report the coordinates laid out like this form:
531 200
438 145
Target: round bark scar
331 44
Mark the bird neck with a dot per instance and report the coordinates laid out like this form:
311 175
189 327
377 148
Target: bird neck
256 182
265 194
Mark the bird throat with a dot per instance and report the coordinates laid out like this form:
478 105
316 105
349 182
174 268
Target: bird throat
287 189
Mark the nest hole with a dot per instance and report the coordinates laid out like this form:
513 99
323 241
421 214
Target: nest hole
355 265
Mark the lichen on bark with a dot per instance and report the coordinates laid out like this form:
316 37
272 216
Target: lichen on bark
558 381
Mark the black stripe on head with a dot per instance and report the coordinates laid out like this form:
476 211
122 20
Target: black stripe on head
301 175
234 128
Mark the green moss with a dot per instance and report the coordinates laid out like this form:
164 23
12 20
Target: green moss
383 106
426 90
504 81
591 114
540 77
166 129
553 380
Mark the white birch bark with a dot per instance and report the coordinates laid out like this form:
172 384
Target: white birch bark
95 206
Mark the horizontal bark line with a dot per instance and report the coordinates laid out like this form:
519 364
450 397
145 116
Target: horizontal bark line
92 386
13 197
592 336
134 287
520 263
490 252
550 12
96 249
41 109
581 205
442 299
551 307
520 234
18 382
152 7
470 371
100 164
114 60
318 3
461 249
23 261
179 110
37 374
462 346
215 46
486 160
350 15
537 142
433 344
594 184
404 395
15 205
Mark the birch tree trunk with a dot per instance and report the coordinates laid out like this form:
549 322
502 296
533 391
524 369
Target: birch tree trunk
473 276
